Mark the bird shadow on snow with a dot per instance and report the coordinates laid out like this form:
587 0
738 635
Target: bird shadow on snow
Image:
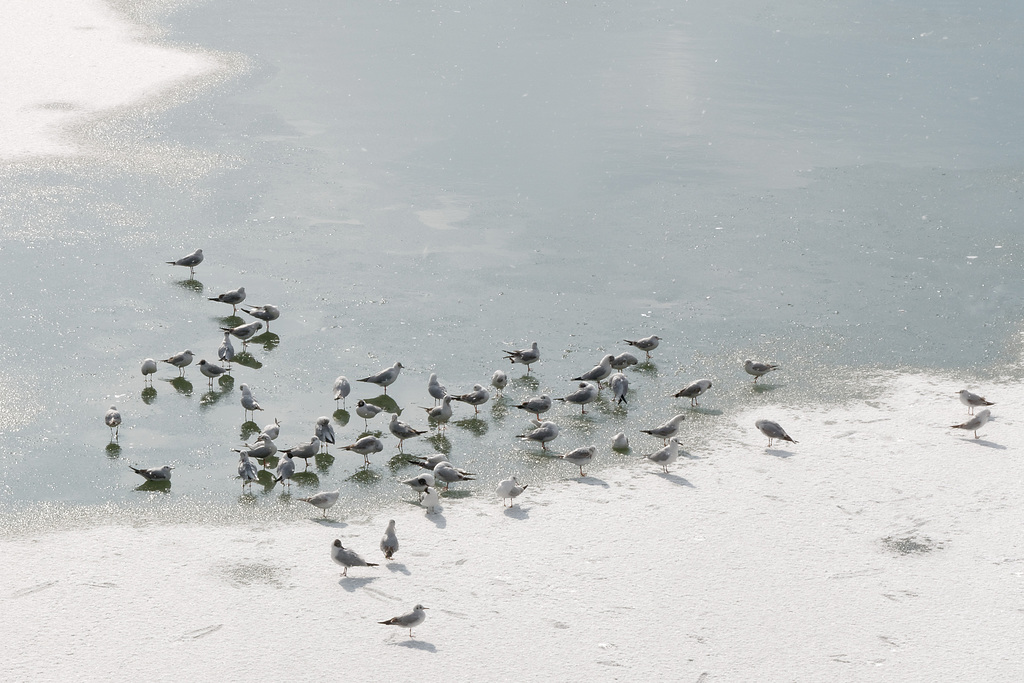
986 444
351 584
779 453
517 512
592 481
437 518
417 645
675 479
398 567
323 521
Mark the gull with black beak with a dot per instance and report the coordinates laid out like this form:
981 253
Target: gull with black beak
347 557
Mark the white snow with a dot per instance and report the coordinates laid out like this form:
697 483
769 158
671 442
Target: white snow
745 563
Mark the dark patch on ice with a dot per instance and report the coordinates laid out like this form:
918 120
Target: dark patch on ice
398 567
418 645
910 545
675 479
779 453
254 573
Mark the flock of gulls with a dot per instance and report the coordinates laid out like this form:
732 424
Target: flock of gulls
438 470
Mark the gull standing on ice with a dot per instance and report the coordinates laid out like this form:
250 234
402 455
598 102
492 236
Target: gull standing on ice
758 369
666 455
586 393
226 351
409 621
244 332
384 378
773 430
499 380
367 411
442 413
325 432
430 462
421 483
435 388
249 404
365 446
347 558
525 356
190 261
180 361
620 442
449 474
402 431
234 297
619 385
263 448
304 451
976 422
266 313
112 418
475 398
545 431
647 344
341 389
972 401
323 500
430 499
285 469
597 373
389 543
693 390
536 405
272 431
154 473
246 469
580 457
510 489
624 360
667 430
148 370
210 370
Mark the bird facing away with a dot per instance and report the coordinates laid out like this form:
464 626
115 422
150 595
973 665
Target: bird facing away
246 469
249 404
325 432
972 401
389 542
323 500
624 360
409 621
154 473
620 387
347 558
436 390
234 297
666 455
620 442
341 389
285 470
536 405
499 380
112 418
148 370
402 431
267 313
190 261
647 344
773 430
586 393
693 390
975 423
580 457
365 446
758 369
510 489
597 373
180 361
526 357
544 431
449 474
226 352
384 378
272 431
666 431
475 398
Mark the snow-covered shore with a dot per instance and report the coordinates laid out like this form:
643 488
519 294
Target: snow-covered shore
882 546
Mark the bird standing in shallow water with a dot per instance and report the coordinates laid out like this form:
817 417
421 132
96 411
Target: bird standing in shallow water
190 261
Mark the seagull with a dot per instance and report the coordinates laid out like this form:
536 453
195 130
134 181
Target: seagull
384 378
435 389
304 451
623 361
210 370
180 360
446 472
112 418
598 373
323 500
758 369
430 499
773 430
341 389
249 404
402 431
499 380
536 405
544 432
190 261
475 398
325 432
693 390
580 457
246 469
261 450
647 344
226 352
976 422
619 385
367 411
430 462
620 442
244 332
972 401
234 297
667 430
285 469
389 543
586 393
148 369
365 446
347 558
409 621
666 455
509 488
421 483
154 473
442 413
266 313
525 356
272 431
